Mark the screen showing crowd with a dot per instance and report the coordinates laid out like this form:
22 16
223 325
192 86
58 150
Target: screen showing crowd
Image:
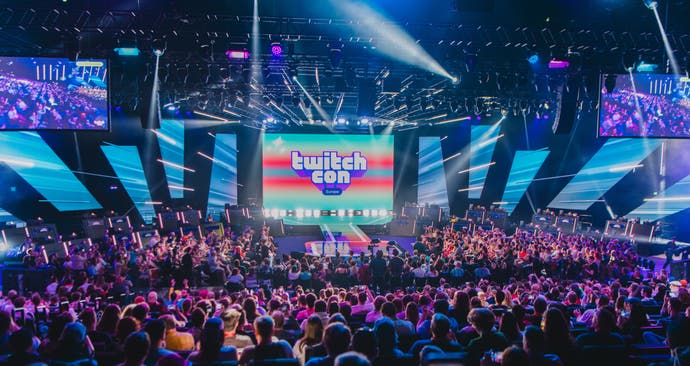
53 94
644 105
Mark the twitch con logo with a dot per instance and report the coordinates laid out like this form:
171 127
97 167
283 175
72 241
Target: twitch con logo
329 172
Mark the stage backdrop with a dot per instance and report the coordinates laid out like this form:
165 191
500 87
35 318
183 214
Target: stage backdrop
349 174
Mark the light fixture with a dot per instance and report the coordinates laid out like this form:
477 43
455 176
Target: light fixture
236 54
276 49
533 59
127 51
651 4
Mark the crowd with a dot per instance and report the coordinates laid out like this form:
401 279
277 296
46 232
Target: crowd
27 104
459 297
628 114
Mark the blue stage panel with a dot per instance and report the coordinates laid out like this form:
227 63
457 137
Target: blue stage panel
608 166
127 165
431 187
171 142
6 216
525 166
33 160
671 201
481 151
223 186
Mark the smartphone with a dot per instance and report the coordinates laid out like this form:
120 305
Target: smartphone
18 315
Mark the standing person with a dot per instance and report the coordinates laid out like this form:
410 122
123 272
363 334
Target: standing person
395 266
670 251
378 272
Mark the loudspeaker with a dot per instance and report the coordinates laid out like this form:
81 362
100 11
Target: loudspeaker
567 111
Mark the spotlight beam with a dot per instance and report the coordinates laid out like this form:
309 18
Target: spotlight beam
175 166
667 44
394 42
314 102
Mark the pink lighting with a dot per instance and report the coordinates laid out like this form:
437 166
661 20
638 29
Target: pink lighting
558 64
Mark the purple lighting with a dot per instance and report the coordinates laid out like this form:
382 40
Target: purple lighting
237 54
276 49
558 64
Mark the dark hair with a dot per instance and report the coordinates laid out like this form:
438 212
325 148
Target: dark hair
556 330
137 346
109 319
197 318
212 338
514 356
20 341
440 326
140 312
482 319
508 326
155 330
320 306
336 339
263 325
386 336
388 310
534 339
364 342
677 332
351 359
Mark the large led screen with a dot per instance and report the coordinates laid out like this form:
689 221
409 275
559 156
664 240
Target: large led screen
53 94
644 105
309 174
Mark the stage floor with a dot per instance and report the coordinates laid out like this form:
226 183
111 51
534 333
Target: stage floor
298 244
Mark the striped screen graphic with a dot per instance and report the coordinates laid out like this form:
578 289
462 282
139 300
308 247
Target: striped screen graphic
285 189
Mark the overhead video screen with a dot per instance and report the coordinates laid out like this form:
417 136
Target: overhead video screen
53 94
308 174
644 105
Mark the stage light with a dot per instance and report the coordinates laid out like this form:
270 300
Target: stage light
127 51
668 199
363 122
624 168
269 120
240 55
350 212
455 80
374 213
651 4
645 67
282 213
276 49
558 64
341 213
383 213
365 213
175 165
393 40
317 213
533 59
308 213
171 107
299 213
158 47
